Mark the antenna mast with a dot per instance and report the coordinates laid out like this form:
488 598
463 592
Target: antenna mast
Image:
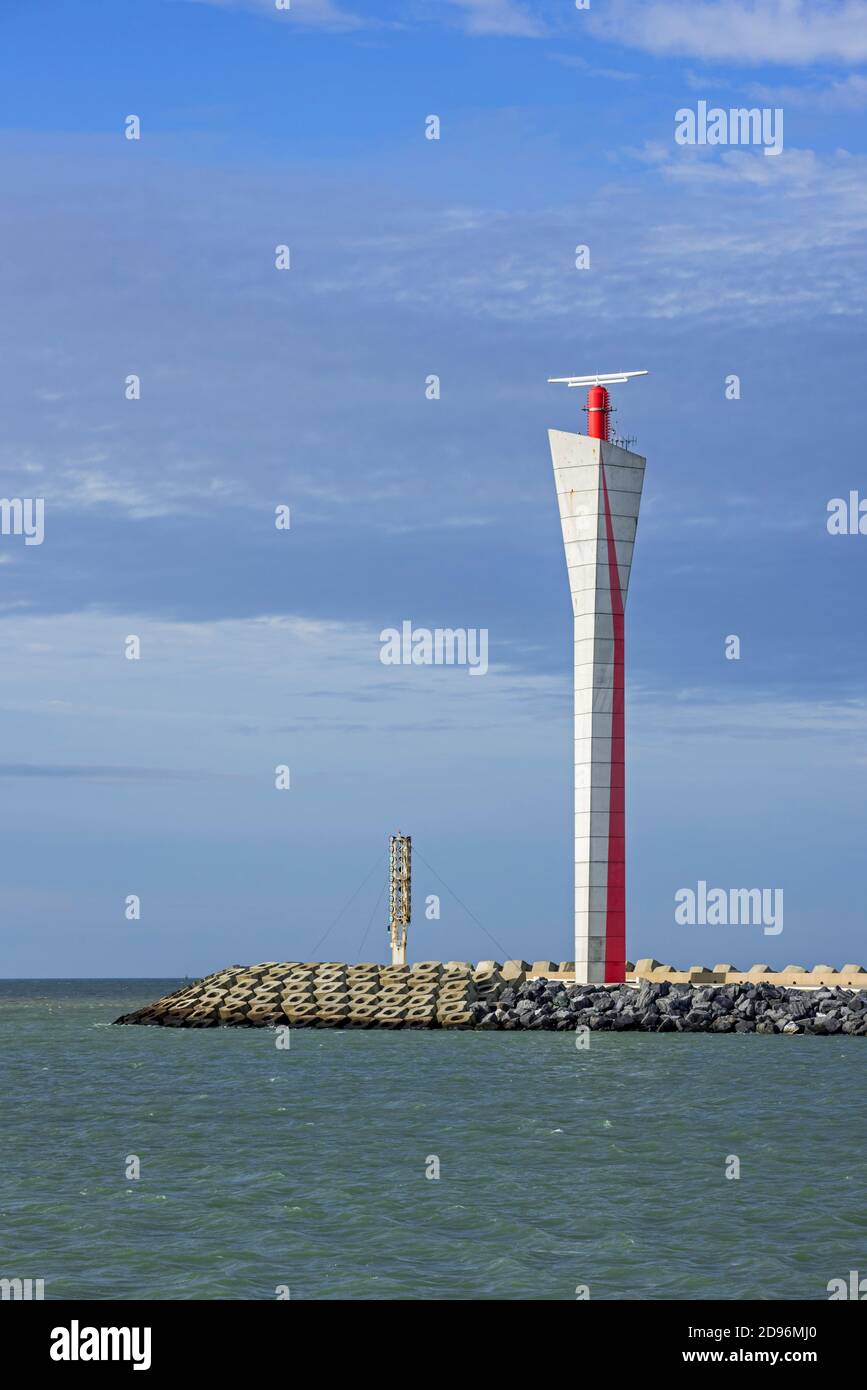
400 894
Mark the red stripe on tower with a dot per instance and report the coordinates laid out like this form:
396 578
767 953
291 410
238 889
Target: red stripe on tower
615 916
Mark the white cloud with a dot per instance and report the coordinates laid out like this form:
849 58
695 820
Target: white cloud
286 407
85 487
845 94
800 206
826 95
216 693
503 17
737 220
786 32
307 14
831 732
579 64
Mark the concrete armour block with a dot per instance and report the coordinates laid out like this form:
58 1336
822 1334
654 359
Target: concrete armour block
487 965
513 968
359 1014
543 967
391 1015
490 987
460 989
422 999
203 1018
264 1013
460 1018
302 1010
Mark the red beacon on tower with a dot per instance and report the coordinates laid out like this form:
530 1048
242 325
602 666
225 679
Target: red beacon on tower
598 405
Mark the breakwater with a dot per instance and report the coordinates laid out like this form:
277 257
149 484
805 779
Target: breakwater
457 995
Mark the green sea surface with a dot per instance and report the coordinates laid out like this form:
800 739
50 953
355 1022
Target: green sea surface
303 1171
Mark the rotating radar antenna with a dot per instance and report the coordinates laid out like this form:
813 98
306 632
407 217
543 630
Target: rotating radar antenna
598 405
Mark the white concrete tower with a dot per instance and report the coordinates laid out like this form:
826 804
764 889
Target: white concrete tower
599 492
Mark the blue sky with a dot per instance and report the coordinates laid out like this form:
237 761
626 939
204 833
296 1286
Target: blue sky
412 257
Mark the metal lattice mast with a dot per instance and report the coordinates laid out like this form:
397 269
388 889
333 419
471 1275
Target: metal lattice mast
400 895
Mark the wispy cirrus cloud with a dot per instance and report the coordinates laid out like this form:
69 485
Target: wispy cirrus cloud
845 94
834 732
483 18
507 18
587 69
227 423
305 14
830 94
94 772
784 32
202 690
